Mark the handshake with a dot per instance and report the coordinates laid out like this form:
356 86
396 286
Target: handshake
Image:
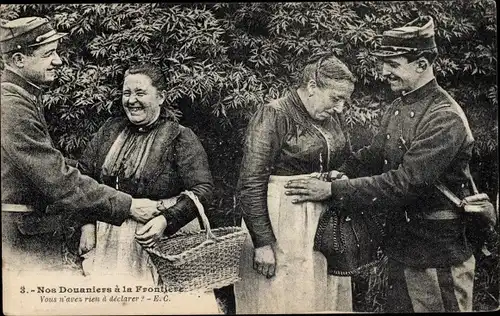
143 210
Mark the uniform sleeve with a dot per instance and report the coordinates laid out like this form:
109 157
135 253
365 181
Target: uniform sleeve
261 148
192 163
440 136
28 145
87 164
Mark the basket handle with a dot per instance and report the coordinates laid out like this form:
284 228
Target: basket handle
201 211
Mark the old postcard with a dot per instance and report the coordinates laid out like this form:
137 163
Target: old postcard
249 158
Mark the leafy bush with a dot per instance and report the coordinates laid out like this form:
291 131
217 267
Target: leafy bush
225 59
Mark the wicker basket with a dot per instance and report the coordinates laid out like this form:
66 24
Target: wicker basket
201 260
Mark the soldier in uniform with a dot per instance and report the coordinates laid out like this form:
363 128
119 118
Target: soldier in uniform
424 136
34 173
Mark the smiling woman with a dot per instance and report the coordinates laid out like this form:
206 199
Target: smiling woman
141 98
146 155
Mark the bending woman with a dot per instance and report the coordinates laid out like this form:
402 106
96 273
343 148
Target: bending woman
296 135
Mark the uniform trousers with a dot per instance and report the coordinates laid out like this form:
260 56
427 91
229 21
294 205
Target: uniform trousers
28 247
444 289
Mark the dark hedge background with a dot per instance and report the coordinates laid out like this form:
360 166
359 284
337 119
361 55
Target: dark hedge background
223 60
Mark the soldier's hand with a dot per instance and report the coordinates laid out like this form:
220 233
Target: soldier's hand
142 210
264 261
87 239
311 189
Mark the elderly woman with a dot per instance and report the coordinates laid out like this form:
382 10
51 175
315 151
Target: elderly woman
291 137
147 155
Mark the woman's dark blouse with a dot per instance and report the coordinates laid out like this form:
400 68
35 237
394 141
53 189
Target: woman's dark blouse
281 140
176 162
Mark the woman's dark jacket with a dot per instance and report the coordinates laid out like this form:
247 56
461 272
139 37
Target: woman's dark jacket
177 162
281 140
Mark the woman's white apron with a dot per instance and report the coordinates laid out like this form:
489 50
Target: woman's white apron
301 284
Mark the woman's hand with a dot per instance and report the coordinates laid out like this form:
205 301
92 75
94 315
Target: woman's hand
87 239
336 175
264 261
311 189
148 234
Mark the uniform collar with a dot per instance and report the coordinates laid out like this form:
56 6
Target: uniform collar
420 93
12 77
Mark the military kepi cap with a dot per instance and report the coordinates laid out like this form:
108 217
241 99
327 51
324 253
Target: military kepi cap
414 36
26 32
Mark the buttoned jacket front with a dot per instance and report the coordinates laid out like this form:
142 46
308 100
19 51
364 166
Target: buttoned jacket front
424 136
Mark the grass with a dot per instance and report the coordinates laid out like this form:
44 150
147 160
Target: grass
369 289
486 290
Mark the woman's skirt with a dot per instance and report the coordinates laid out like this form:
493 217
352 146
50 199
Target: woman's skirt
119 259
301 283
117 254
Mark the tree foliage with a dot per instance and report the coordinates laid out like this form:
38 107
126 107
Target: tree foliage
223 60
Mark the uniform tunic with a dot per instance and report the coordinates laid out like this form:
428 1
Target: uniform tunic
35 173
424 137
437 145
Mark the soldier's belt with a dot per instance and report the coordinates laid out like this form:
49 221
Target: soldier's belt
17 208
437 215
